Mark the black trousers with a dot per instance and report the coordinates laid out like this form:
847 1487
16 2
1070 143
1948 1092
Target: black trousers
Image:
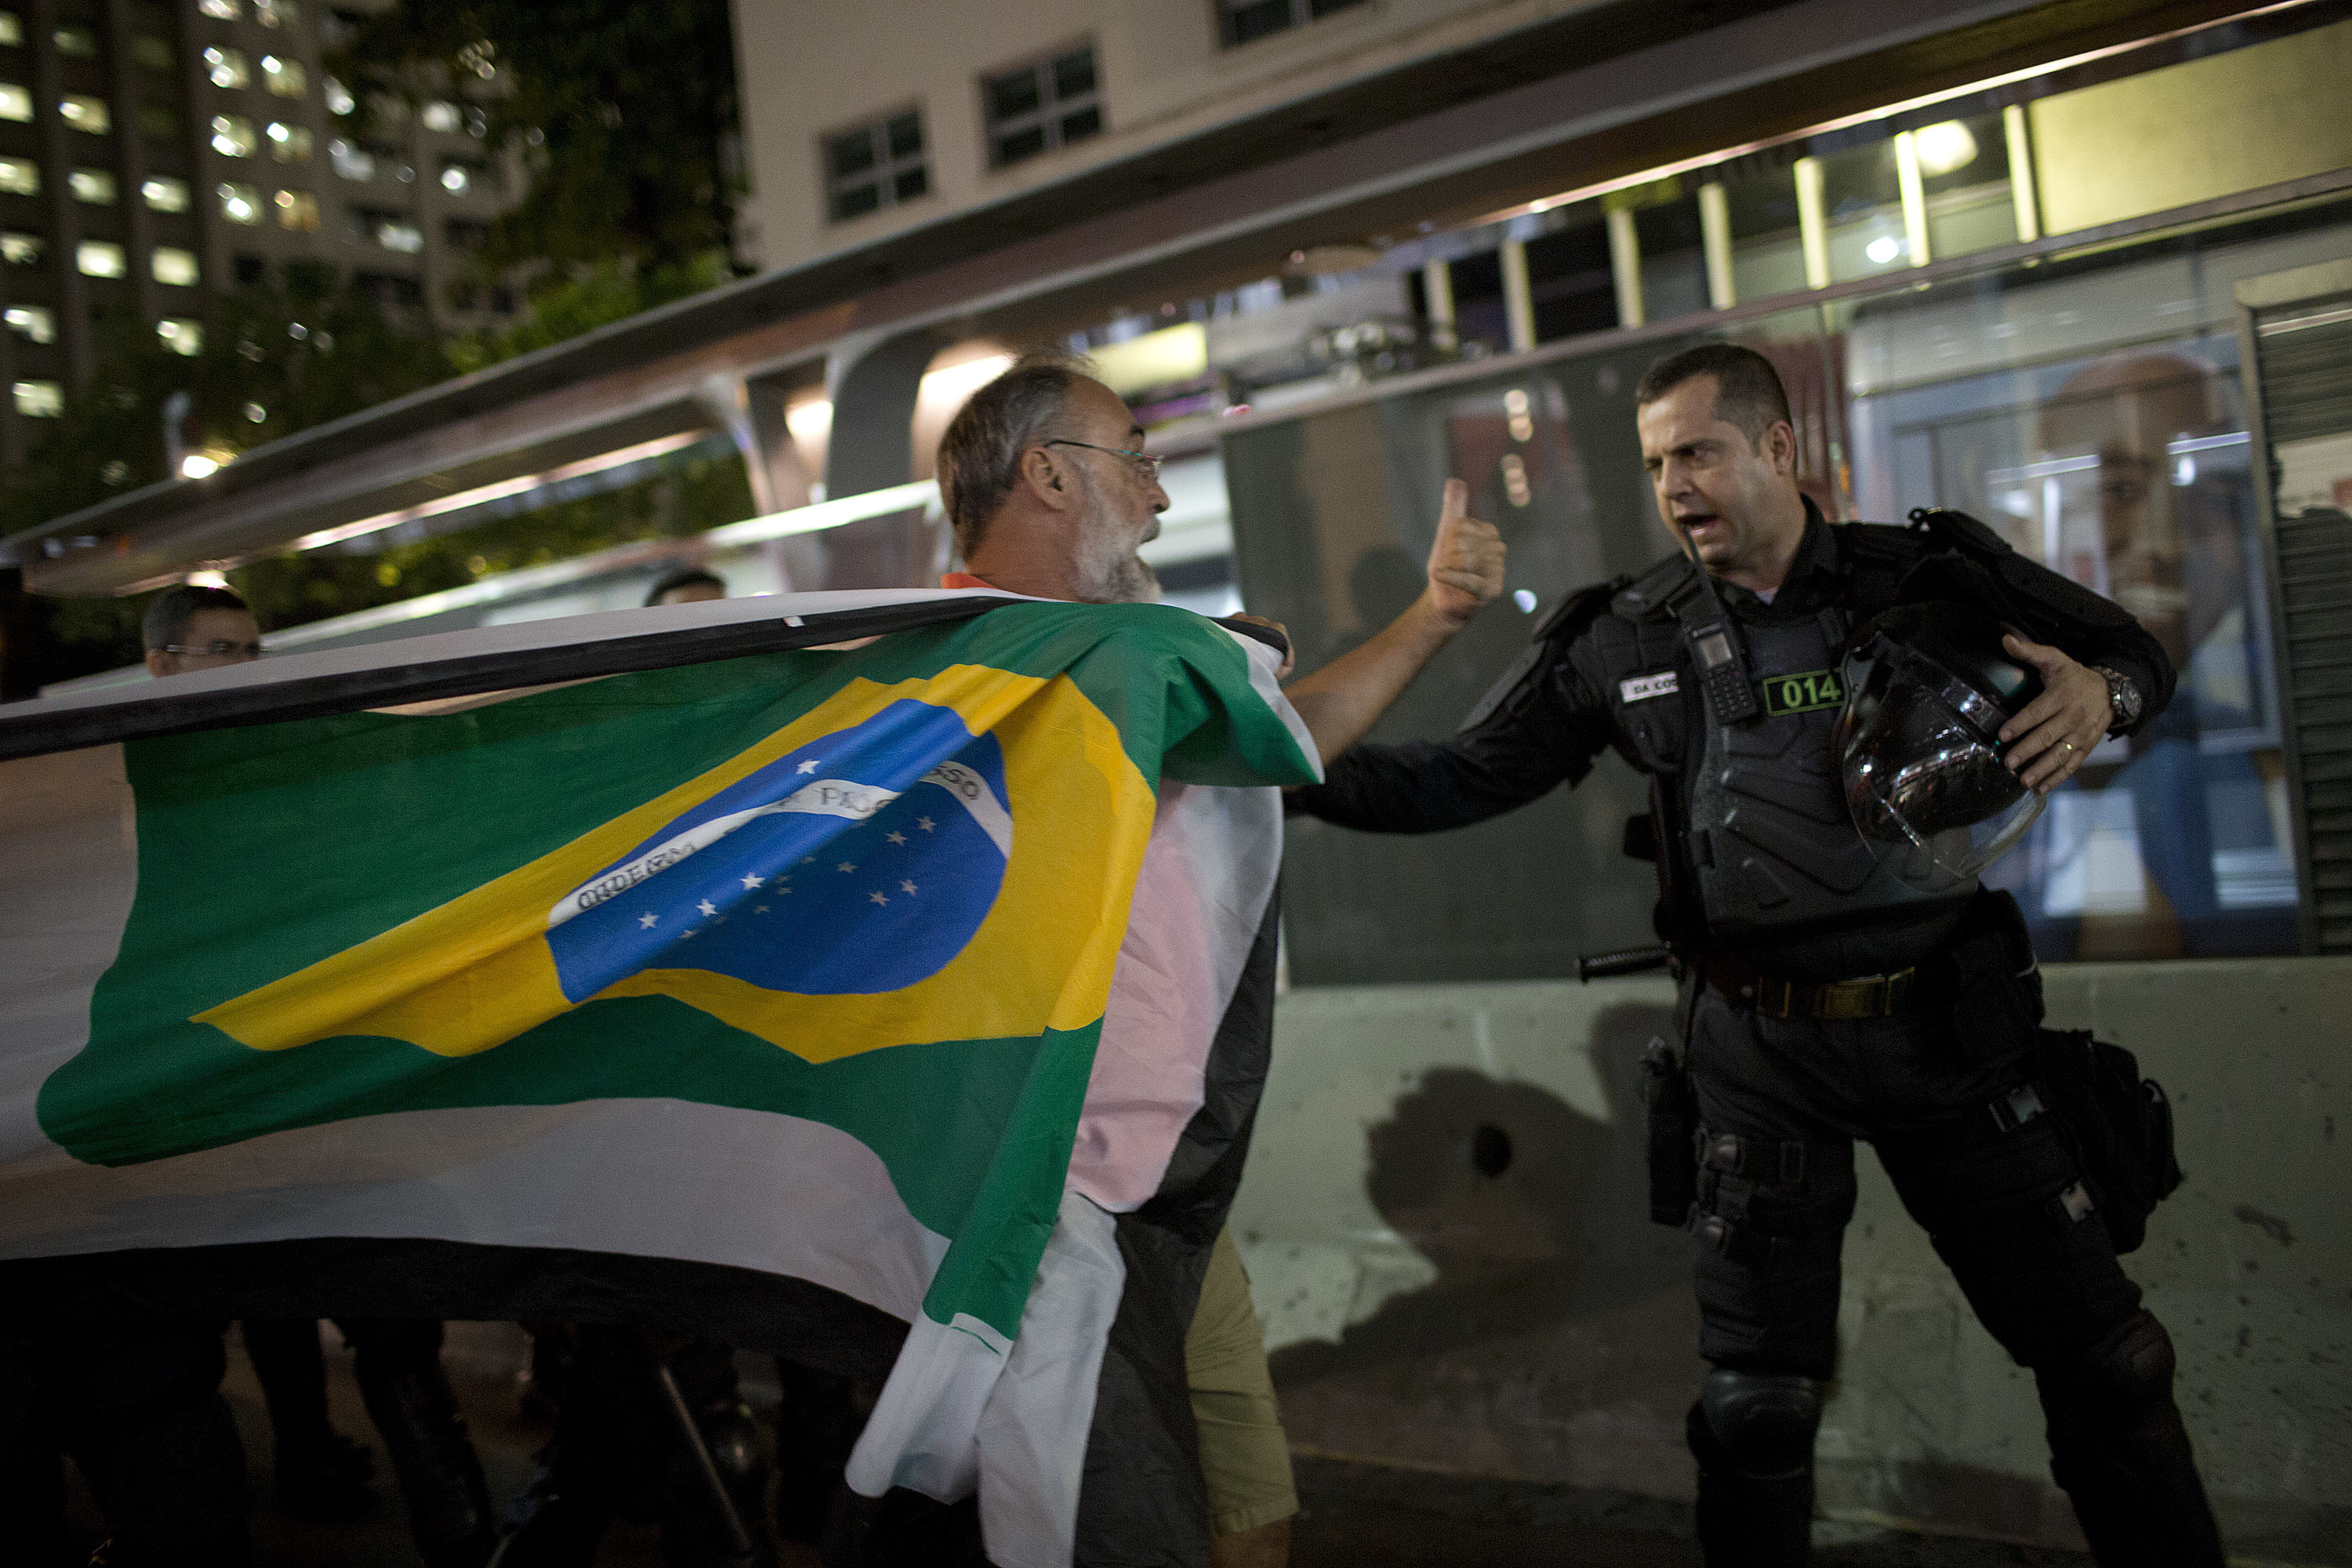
1784 1102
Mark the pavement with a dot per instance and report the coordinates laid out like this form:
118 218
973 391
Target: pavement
1354 1514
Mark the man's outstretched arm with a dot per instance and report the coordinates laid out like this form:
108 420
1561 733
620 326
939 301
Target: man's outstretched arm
1341 701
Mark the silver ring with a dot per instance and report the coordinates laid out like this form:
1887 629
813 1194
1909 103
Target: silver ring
2068 745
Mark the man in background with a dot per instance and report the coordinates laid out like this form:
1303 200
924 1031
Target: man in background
693 585
190 628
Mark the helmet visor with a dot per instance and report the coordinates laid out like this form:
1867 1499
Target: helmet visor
1923 772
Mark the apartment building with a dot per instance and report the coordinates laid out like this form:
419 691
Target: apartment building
153 155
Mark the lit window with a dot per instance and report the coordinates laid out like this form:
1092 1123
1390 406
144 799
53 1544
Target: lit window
1244 21
454 179
351 162
20 176
233 136
99 259
95 186
39 399
395 233
877 166
297 210
181 335
240 203
1041 106
441 115
85 113
80 43
12 27
22 250
227 66
227 10
171 265
153 52
165 193
286 78
290 144
338 98
15 102
34 323
277 13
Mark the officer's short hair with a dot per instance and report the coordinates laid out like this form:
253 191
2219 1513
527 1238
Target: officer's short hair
690 577
980 456
1748 390
168 612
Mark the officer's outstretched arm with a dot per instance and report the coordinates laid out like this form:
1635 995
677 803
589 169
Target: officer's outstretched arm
1341 701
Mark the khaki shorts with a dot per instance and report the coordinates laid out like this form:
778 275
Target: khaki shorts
1245 1458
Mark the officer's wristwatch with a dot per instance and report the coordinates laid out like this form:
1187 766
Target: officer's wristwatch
2122 698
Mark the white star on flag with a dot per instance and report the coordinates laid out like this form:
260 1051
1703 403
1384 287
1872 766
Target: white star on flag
846 866
924 823
896 837
647 921
750 881
906 887
706 907
877 897
809 766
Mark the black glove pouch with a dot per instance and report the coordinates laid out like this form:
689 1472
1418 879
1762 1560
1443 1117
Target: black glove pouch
1996 987
1672 1135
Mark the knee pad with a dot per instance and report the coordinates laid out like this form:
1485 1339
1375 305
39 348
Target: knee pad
2128 1366
1762 1422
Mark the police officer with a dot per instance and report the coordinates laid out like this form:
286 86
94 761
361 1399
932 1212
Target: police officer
1831 994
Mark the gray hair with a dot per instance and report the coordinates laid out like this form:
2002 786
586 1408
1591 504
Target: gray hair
980 456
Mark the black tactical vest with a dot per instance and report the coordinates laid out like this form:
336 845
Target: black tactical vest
1767 837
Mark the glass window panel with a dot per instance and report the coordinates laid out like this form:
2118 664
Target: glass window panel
15 101
297 210
397 233
1081 125
239 203
337 98
171 265
853 153
233 136
86 114
181 334
12 29
157 120
442 116
909 183
290 144
904 134
227 67
95 186
1325 7
1964 174
1862 210
1014 94
1768 252
1024 143
855 201
20 178
286 79
153 52
76 41
227 10
1674 265
39 399
1247 21
277 13
164 194
1073 74
34 323
99 259
23 249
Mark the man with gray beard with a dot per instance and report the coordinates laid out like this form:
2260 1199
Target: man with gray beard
1051 494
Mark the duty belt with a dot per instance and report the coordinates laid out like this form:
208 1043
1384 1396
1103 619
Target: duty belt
1875 996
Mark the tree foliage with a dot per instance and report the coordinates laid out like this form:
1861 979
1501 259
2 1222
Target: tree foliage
622 111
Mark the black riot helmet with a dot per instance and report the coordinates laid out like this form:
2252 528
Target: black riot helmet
1928 687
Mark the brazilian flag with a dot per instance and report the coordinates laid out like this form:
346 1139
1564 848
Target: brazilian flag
732 984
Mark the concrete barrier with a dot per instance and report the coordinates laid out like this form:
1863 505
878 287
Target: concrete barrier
1446 1226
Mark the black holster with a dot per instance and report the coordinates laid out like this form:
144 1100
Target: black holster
1996 987
1672 1134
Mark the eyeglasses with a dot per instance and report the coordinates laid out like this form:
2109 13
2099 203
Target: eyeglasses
1148 462
223 650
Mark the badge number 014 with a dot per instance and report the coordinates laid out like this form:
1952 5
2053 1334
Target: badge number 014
1804 692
